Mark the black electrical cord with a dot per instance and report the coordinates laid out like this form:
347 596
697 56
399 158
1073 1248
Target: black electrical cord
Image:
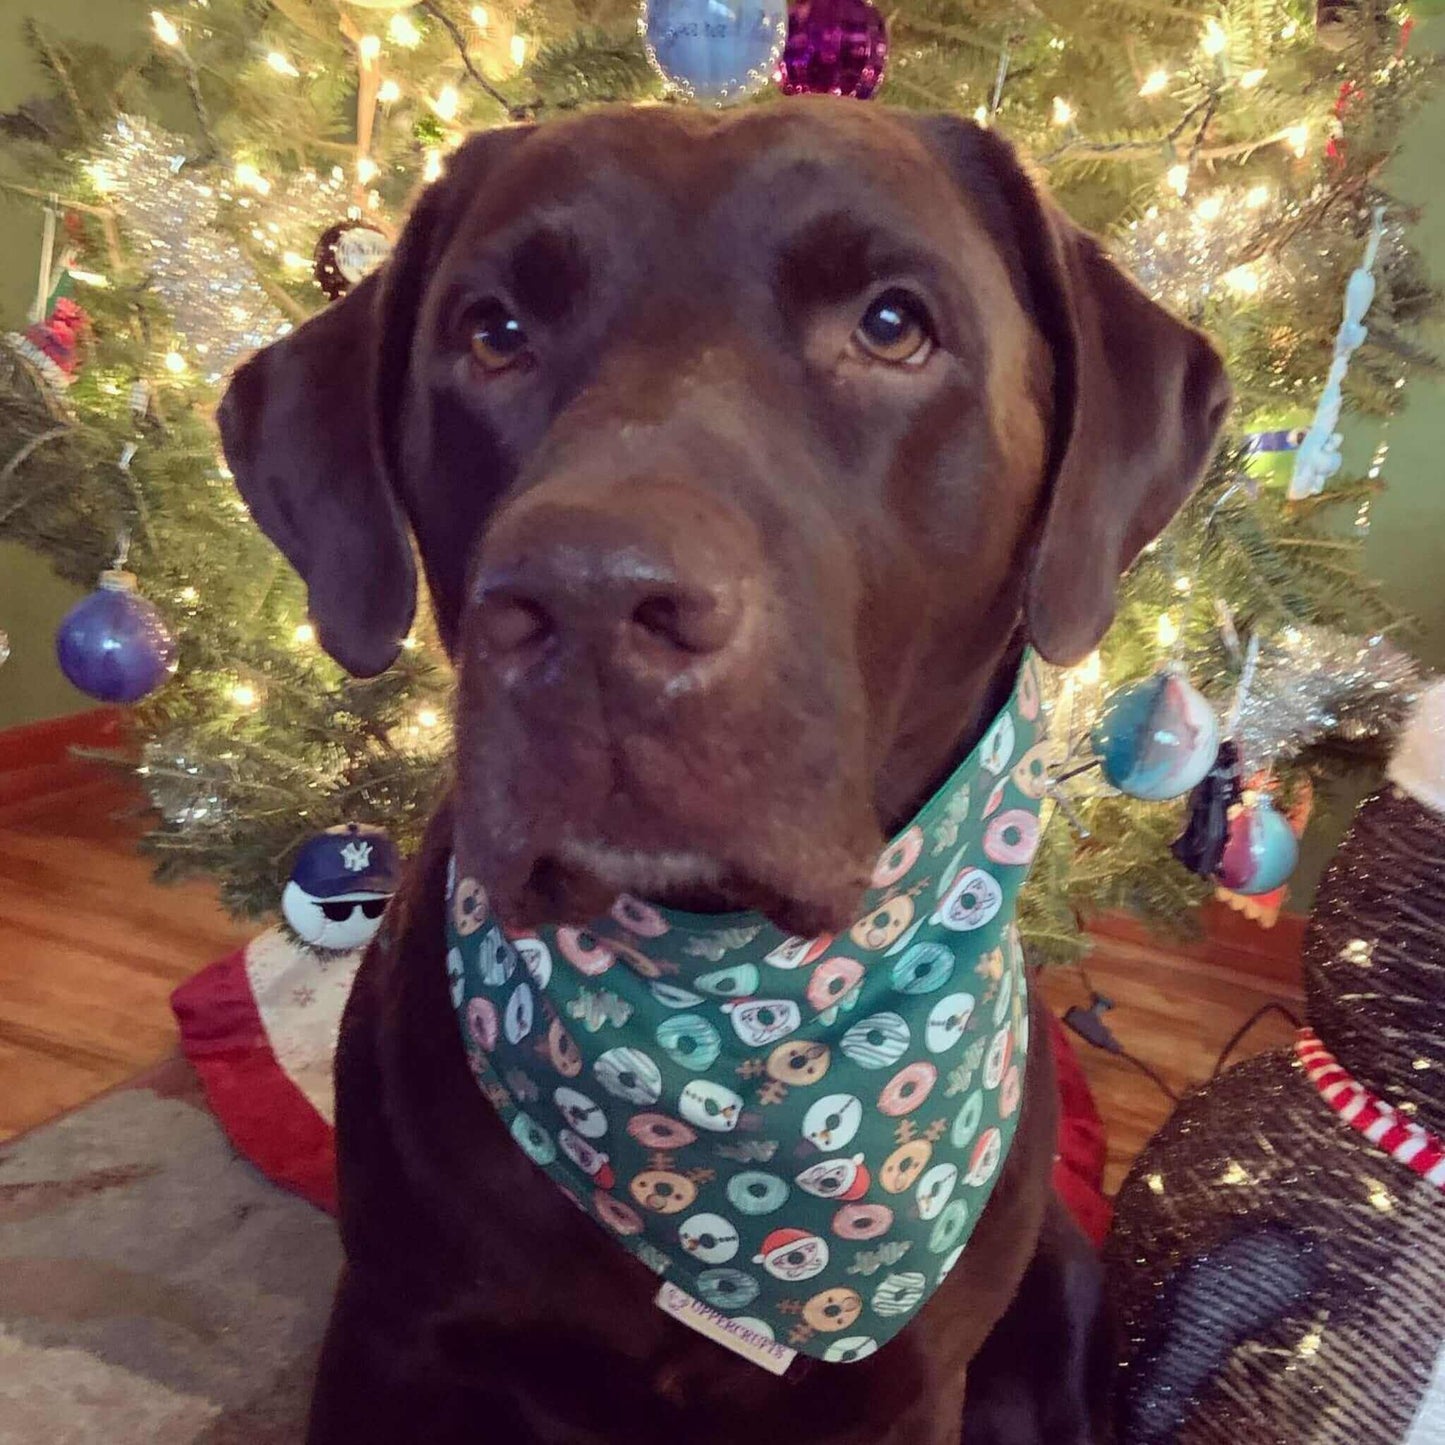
1237 1037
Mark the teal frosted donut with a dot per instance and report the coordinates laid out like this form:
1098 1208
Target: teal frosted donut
689 1040
923 968
727 1289
877 1041
949 1226
753 1191
736 982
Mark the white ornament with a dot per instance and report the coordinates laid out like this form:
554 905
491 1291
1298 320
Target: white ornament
341 923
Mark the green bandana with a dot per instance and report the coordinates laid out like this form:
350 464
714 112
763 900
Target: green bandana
799 1132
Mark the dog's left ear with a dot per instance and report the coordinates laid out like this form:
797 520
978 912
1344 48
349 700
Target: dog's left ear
1139 396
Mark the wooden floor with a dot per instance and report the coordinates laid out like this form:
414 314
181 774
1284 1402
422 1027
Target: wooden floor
90 950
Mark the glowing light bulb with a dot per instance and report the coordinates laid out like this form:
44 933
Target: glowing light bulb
1256 197
247 175
1155 83
243 695
519 50
1091 669
1243 280
427 717
305 633
1297 138
189 595
1289 30
403 31
281 65
447 103
368 48
1168 630
1210 207
1063 111
365 170
1183 585
389 92
88 278
174 363
980 115
294 261
1177 178
1251 78
1214 41
411 642
165 28
480 18
432 167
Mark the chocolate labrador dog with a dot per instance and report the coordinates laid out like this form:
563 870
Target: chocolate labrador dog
743 455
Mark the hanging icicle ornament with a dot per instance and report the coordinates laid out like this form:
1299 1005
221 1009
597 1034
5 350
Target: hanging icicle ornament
1318 457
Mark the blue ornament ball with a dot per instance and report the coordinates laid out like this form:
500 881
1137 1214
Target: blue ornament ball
718 51
1260 850
113 644
1158 738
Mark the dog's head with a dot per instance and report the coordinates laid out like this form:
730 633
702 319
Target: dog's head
743 455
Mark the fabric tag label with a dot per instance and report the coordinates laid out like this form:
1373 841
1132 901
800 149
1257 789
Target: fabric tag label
752 1345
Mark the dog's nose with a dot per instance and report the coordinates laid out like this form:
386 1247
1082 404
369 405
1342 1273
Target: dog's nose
651 599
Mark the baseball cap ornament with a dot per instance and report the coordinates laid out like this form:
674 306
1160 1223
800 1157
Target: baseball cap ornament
339 887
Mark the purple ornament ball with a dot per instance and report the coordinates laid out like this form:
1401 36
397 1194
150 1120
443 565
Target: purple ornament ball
113 644
834 47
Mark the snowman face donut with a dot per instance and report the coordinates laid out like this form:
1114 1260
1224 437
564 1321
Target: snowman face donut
580 1113
710 1106
832 981
761 1021
469 906
877 1041
862 1221
832 1121
689 1040
884 925
799 1062
907 1089
708 1237
663 1191
1012 838
587 953
997 747
923 968
835 1179
948 1022
629 1074
895 861
972 901
562 1050
935 1189
639 917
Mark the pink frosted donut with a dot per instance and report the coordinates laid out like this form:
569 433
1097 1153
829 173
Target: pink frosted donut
615 1214
862 1221
469 906
908 1088
897 858
1012 838
639 917
658 1131
832 981
587 953
483 1022
994 798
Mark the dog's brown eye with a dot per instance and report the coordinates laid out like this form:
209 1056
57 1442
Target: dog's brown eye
498 339
896 329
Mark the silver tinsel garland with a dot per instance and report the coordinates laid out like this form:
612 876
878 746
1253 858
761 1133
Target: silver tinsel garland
174 212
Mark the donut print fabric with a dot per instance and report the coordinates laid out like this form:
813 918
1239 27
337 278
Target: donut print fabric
799 1132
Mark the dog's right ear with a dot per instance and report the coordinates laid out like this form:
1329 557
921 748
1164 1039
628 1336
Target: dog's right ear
307 425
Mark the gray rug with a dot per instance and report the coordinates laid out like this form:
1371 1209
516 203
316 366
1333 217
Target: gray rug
154 1288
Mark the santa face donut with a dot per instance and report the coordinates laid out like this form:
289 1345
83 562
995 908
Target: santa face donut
483 1022
877 1041
590 1161
738 981
659 1133
862 1221
727 1289
898 858
762 1021
469 906
798 952
904 1165
616 1215
799 1062
580 1113
663 1191
835 1179
923 968
587 953
1031 772
536 959
985 1157
535 1141
832 981
884 925
1012 838
753 1191
517 1021
629 1074
832 1122
907 1089
831 1310
639 917
708 1237
689 1040
793 1255
935 1189
948 1022
997 747
974 900
562 1051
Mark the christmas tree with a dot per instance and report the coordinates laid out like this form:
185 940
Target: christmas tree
255 156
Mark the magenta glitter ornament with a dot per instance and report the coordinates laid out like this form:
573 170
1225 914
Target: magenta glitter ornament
835 47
